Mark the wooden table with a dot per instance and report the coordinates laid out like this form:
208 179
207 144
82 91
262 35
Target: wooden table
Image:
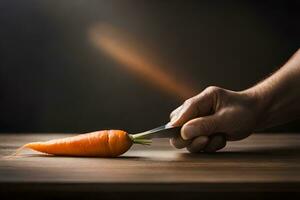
261 166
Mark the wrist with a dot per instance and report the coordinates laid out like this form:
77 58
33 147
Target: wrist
277 97
263 105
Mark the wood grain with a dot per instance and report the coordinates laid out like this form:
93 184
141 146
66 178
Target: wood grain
260 163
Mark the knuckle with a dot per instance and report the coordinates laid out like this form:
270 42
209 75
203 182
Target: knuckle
215 90
212 89
202 140
190 102
177 143
210 148
217 142
198 144
172 114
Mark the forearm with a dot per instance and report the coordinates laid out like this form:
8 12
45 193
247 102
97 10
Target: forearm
278 96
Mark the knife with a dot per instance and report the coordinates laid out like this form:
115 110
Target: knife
165 131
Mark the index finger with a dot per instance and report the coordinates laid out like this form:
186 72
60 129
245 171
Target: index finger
197 106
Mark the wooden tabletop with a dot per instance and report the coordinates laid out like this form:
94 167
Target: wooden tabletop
260 163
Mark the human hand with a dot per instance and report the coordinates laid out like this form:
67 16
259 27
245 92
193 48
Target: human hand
213 117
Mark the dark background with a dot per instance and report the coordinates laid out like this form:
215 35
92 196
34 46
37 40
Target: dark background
52 79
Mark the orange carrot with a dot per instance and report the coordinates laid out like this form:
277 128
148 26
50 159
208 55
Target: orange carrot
106 143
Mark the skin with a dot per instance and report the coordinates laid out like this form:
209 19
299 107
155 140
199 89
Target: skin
217 115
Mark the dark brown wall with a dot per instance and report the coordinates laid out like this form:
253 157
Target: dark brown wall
52 79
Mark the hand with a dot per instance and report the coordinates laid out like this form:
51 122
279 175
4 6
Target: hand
213 114
217 115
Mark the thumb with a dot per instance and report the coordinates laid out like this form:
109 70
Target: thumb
202 126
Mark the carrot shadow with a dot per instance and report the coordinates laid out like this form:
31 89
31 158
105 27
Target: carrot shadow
58 156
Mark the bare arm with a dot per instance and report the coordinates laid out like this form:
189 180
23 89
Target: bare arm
236 115
280 94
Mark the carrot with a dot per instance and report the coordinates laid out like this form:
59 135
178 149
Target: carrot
106 143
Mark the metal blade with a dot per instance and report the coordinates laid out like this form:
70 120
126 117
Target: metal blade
164 131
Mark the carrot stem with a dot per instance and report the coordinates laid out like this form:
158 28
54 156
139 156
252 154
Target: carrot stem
140 140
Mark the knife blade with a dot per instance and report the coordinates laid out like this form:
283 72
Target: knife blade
165 131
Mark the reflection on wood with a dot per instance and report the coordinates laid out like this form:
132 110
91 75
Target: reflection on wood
266 162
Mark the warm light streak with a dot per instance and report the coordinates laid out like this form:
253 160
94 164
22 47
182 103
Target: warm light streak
111 41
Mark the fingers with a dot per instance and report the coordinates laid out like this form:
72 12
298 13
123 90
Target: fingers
207 144
187 111
198 144
202 126
197 106
179 143
175 112
216 143
196 133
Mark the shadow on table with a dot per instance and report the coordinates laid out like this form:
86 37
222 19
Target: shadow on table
55 156
248 153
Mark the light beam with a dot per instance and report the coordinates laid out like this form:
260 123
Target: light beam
110 40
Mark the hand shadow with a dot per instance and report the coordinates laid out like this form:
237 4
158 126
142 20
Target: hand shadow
260 152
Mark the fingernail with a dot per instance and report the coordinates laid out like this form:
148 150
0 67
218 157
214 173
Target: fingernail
188 132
